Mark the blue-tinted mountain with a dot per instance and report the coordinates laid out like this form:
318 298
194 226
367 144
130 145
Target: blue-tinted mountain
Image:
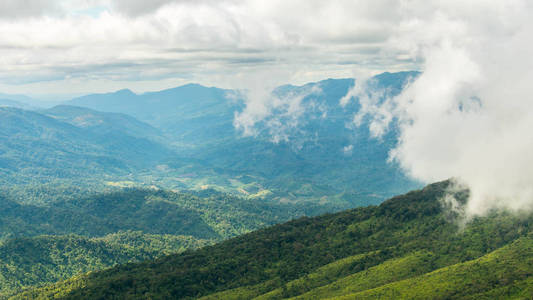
102 122
13 103
187 112
36 147
322 155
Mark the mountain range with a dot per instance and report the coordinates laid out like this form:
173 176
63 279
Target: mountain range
185 138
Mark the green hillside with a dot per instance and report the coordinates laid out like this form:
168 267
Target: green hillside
409 246
36 148
205 215
95 231
35 261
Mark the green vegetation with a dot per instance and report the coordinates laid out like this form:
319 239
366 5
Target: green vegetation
71 235
487 274
34 261
206 215
133 206
38 149
407 247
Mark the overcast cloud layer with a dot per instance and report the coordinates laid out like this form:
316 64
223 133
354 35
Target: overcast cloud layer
101 45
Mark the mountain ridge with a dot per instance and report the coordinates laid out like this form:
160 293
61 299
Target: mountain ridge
412 226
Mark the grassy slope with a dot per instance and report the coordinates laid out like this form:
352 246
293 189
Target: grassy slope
380 250
493 273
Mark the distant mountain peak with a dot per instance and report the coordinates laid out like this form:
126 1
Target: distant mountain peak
125 92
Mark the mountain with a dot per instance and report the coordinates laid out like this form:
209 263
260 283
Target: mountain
13 103
101 122
407 247
187 112
35 147
316 154
18 97
25 102
45 259
21 267
324 154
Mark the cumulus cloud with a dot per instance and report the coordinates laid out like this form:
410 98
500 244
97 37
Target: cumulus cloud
468 115
372 103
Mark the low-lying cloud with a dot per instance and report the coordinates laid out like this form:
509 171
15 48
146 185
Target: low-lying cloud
274 113
469 114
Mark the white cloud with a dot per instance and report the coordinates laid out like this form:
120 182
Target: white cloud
468 115
347 150
138 7
277 113
200 40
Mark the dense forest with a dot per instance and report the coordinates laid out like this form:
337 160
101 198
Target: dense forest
71 235
410 246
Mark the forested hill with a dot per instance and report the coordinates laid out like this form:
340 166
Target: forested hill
36 147
407 247
44 244
102 122
205 215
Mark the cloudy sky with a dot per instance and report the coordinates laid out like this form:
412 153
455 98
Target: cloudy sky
80 46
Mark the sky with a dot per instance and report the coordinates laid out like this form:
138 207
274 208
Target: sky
83 46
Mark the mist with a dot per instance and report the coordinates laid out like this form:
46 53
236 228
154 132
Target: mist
269 111
469 115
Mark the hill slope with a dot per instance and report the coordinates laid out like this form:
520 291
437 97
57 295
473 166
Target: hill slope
381 250
102 122
45 259
37 147
185 138
206 215
44 244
